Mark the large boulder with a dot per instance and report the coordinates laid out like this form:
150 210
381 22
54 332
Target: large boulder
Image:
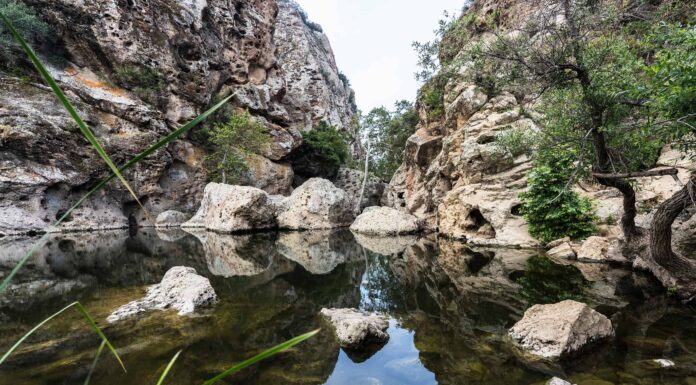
181 289
317 204
356 329
228 209
385 221
351 181
560 330
594 249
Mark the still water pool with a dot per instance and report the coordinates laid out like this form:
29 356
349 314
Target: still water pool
449 307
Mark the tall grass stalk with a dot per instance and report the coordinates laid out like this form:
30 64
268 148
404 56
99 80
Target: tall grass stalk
94 363
168 368
84 314
262 356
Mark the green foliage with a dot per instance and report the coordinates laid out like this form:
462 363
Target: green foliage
233 142
344 79
433 98
547 282
553 210
30 26
143 80
329 142
517 141
388 132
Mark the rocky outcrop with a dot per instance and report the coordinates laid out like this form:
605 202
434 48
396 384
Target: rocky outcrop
181 289
457 179
384 221
560 330
227 209
356 329
564 251
317 204
136 71
593 249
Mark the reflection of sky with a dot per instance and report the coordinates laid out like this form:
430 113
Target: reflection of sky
397 363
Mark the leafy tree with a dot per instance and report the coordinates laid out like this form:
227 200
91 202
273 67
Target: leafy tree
328 141
544 281
233 142
552 210
388 132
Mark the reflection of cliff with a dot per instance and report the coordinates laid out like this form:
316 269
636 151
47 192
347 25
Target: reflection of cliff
253 314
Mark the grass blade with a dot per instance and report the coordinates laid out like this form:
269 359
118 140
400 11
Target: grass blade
261 356
94 363
168 368
88 134
96 328
84 313
159 144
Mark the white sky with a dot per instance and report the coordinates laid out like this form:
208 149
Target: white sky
371 40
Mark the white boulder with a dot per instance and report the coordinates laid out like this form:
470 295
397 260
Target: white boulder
356 329
558 330
564 250
181 289
228 209
317 204
385 221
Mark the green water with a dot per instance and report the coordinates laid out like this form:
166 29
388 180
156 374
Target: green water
449 309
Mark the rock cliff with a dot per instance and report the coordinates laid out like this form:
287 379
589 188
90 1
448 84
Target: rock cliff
456 178
138 70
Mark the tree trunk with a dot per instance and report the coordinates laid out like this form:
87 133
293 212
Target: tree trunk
223 175
661 232
603 166
367 170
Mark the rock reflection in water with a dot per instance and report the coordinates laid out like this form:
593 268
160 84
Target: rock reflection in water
450 307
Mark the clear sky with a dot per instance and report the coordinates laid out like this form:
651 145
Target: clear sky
372 42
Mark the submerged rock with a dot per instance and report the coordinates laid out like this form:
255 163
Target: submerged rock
228 209
559 330
171 218
181 289
317 204
356 329
385 221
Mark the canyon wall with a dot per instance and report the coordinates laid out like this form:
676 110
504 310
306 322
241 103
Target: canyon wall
137 70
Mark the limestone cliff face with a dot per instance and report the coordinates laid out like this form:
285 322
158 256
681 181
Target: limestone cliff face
459 181
189 53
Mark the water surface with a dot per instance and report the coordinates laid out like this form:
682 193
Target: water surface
449 307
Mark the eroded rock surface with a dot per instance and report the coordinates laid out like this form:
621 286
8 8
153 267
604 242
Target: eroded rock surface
317 204
356 329
181 289
137 71
171 218
228 209
385 221
560 330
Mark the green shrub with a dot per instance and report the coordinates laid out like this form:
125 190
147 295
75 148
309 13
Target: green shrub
37 33
233 142
143 80
434 99
328 141
517 141
551 208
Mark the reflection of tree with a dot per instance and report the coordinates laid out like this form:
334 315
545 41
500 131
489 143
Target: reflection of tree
380 290
544 281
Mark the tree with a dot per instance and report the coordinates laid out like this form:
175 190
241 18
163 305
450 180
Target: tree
233 142
388 132
583 59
